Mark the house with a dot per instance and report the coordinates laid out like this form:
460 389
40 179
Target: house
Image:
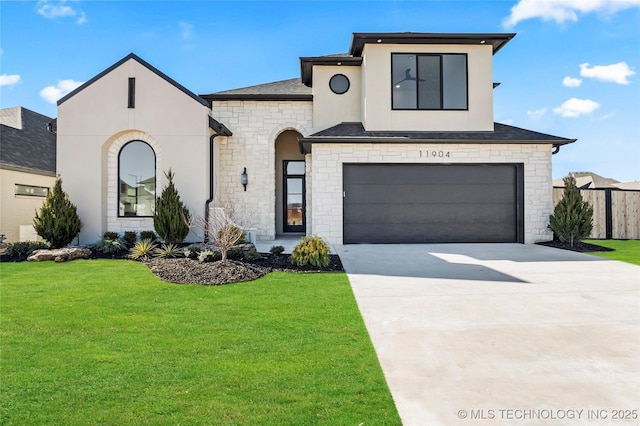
391 142
27 169
590 180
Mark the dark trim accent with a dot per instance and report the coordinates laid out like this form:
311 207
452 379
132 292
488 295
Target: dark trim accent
556 149
255 97
497 40
494 84
141 62
219 128
308 62
348 84
155 196
131 93
520 205
440 55
608 207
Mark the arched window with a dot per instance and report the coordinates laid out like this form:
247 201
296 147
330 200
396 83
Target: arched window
136 180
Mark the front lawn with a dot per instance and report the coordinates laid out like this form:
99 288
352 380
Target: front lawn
106 342
625 250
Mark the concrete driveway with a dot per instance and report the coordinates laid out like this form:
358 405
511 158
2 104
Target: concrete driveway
483 334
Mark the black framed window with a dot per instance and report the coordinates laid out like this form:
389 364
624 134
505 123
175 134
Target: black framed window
339 84
429 81
136 180
294 196
31 191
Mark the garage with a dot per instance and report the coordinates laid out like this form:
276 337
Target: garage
433 203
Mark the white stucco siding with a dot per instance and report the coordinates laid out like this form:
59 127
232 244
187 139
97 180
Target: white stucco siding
377 113
255 126
96 122
330 108
327 181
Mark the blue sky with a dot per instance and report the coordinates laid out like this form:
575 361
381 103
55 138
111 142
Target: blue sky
571 71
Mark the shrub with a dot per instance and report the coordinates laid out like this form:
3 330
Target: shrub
57 221
311 251
252 255
148 235
208 256
235 253
110 235
109 245
168 250
129 238
276 250
24 248
572 218
172 216
142 249
237 234
192 252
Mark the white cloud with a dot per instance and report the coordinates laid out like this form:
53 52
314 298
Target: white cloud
9 80
186 30
538 112
571 82
563 10
52 93
575 107
608 115
508 121
614 73
59 9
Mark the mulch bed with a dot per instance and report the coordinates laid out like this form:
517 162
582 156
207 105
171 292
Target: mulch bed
580 247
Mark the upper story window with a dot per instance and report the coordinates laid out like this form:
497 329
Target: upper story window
429 81
136 180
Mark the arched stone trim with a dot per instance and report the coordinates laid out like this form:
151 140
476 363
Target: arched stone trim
113 146
288 126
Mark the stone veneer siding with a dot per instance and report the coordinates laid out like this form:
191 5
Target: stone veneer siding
255 126
122 224
328 159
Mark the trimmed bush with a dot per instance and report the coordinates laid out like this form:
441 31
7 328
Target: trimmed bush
23 249
311 251
276 250
572 218
57 221
252 255
172 217
129 238
110 235
148 235
235 253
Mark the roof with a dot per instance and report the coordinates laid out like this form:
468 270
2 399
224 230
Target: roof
291 90
340 59
144 64
28 146
497 40
590 180
356 133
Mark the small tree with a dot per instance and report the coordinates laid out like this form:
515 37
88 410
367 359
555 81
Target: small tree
572 218
226 224
57 222
171 217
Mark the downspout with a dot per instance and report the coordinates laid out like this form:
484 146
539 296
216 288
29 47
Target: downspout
206 204
555 150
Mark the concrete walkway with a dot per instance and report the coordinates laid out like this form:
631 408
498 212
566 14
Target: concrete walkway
484 334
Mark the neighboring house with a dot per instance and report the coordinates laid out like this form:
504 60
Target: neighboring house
27 169
392 142
590 180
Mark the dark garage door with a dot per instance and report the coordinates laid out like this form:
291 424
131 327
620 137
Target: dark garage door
417 203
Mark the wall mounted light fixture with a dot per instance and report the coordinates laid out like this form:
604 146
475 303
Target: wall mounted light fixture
244 178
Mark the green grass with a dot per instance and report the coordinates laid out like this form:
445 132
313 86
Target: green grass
625 250
105 342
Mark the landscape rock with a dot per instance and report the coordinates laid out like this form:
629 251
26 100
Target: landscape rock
60 255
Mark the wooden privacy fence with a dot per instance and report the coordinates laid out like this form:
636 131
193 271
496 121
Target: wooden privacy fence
616 212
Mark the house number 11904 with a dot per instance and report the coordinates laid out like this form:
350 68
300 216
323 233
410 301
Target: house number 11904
434 154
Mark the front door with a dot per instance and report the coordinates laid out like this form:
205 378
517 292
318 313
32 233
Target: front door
294 206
